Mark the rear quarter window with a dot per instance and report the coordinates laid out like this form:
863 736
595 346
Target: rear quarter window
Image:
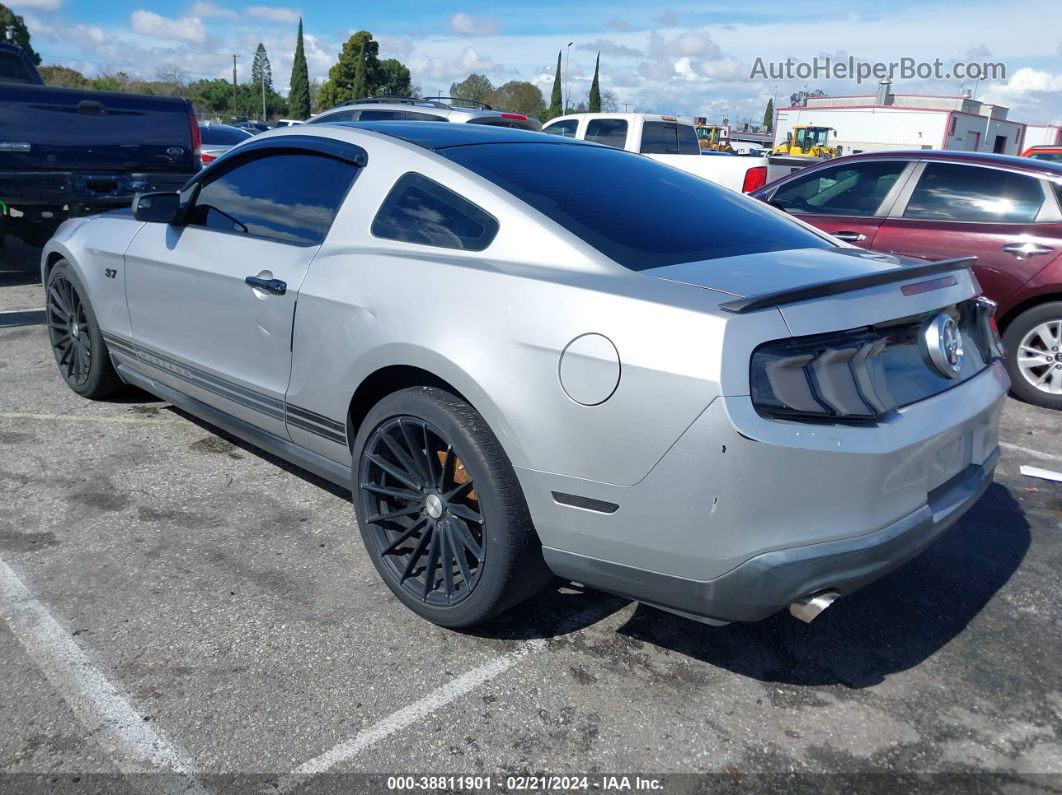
420 210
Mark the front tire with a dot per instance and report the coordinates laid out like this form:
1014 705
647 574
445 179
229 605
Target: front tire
75 336
440 510
1034 355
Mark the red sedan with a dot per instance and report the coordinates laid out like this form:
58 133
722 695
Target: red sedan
1007 211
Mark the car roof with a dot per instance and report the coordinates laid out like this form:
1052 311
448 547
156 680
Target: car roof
984 158
437 135
621 115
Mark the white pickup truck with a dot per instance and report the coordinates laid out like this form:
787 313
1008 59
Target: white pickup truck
673 140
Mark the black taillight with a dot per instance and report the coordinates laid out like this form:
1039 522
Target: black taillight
841 379
860 375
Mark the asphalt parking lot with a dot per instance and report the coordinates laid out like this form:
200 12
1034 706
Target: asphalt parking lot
174 600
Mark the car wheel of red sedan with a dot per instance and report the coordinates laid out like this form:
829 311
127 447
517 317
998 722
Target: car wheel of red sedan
1034 355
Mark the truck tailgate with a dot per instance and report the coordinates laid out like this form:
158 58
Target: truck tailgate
46 128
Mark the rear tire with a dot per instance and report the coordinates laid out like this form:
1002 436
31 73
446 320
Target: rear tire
76 338
440 510
1034 355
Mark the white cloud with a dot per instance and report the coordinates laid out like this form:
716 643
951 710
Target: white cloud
473 26
608 47
274 14
151 24
39 5
1035 95
204 8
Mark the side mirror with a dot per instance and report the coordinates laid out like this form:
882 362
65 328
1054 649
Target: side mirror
160 208
777 205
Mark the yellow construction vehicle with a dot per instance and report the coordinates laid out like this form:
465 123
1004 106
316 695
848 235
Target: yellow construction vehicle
712 137
807 140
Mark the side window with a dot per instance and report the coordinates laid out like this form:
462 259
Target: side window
660 138
856 189
342 115
566 128
414 116
687 140
290 197
382 115
611 132
419 210
955 192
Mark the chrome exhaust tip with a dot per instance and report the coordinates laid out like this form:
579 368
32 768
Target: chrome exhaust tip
809 608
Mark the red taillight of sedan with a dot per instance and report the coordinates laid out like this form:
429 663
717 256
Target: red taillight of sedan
208 158
754 178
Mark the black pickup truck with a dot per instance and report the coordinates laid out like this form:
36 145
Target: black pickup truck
66 152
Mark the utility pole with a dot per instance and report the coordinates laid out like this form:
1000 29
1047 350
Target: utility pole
568 76
235 114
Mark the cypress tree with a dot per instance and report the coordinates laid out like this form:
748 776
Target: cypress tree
595 88
768 115
556 98
299 96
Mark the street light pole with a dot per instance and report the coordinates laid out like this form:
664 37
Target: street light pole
568 76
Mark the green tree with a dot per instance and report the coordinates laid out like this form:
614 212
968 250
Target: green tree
63 76
299 93
520 97
594 101
556 98
356 74
395 80
10 21
474 87
261 71
768 115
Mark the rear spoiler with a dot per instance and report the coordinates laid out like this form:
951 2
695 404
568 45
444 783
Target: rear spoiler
740 306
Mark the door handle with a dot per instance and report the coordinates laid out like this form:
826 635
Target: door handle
1026 249
274 286
850 237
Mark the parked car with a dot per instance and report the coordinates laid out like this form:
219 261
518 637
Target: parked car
929 205
1052 153
253 127
675 393
289 122
66 152
449 109
672 140
220 138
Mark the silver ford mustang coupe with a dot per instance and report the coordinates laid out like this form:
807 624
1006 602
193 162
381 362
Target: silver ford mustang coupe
527 355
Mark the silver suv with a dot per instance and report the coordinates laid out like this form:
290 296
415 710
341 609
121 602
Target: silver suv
425 109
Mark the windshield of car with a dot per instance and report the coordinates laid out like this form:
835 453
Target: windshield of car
638 212
1054 157
223 135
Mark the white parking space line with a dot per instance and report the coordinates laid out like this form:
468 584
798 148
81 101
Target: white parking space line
1028 451
21 415
133 744
432 702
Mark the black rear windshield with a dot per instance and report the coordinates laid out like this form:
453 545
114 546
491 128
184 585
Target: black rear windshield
223 136
638 212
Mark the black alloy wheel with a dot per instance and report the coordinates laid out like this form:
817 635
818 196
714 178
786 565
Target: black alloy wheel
422 506
70 331
441 511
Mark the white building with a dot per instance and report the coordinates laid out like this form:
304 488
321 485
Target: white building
1042 135
907 121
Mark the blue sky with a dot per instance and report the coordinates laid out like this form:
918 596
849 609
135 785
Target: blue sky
690 58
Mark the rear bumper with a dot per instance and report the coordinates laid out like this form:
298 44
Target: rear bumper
766 583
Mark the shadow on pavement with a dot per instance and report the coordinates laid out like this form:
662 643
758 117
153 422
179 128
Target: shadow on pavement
889 626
